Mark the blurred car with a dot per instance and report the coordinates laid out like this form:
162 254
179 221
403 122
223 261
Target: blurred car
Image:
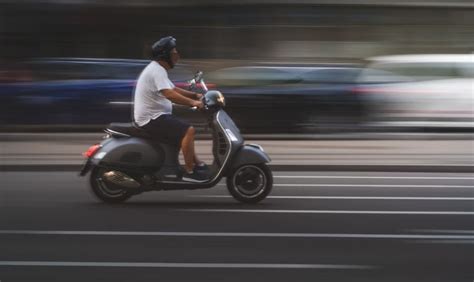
72 92
419 91
80 93
285 99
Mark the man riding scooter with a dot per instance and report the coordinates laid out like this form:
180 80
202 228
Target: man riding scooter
153 97
144 155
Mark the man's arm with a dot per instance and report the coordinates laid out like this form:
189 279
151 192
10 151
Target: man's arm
175 97
188 94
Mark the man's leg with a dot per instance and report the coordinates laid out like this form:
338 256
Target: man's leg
187 147
197 161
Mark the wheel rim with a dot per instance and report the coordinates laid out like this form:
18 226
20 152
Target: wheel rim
249 181
107 189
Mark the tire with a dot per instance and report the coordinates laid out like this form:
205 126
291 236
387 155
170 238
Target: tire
250 183
106 192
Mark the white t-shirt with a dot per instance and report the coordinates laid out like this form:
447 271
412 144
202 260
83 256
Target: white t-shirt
149 102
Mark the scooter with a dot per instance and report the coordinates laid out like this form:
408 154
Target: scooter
127 162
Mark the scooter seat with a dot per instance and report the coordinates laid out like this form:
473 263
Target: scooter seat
127 129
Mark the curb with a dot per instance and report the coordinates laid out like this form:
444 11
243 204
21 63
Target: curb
367 168
361 136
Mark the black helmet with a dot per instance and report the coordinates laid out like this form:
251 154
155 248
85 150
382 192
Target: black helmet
161 49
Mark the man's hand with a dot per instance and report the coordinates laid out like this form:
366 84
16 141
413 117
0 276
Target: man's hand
197 104
176 97
188 94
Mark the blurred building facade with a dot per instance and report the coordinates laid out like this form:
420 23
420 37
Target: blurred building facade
264 30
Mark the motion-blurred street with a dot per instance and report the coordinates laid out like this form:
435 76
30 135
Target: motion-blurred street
331 226
330 216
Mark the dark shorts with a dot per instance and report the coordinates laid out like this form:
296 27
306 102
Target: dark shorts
167 129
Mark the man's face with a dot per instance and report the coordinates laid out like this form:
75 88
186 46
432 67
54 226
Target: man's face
174 56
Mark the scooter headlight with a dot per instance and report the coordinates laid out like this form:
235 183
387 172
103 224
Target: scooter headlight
221 99
214 98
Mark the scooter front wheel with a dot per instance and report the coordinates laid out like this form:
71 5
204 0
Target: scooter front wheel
250 183
104 190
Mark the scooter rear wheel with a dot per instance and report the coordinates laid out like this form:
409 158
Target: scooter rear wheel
250 183
105 191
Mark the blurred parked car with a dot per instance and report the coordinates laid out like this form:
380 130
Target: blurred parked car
420 91
286 99
75 92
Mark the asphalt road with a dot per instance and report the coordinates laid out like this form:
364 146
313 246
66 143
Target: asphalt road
315 226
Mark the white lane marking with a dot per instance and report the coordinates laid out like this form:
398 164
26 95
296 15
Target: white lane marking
331 211
370 177
368 185
375 185
237 234
459 242
183 265
446 231
349 198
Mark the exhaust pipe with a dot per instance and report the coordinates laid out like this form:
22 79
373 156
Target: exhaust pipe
121 179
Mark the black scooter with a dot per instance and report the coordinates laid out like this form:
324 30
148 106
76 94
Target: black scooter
127 162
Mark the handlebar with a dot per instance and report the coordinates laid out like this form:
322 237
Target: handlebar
198 79
198 75
204 86
204 105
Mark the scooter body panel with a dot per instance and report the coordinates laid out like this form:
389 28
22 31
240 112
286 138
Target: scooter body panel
130 153
227 138
249 154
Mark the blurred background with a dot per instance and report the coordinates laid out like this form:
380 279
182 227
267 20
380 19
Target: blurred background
364 106
310 66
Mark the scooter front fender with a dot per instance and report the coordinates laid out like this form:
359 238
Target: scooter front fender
249 154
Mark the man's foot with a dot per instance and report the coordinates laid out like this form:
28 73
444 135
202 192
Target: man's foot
195 176
201 167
